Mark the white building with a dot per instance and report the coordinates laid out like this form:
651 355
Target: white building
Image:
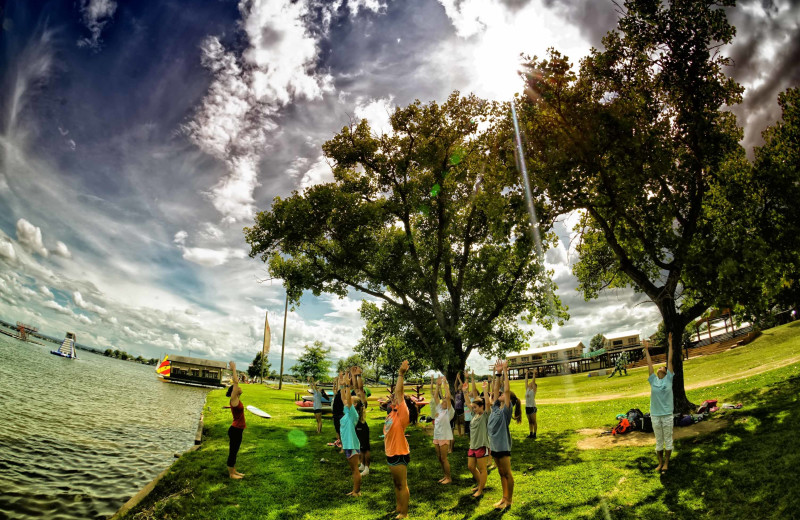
622 340
543 355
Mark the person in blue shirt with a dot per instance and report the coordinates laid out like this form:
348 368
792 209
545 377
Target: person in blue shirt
661 406
350 442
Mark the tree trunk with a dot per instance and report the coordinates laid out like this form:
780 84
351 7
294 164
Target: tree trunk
675 323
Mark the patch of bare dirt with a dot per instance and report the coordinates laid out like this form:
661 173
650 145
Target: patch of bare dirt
593 440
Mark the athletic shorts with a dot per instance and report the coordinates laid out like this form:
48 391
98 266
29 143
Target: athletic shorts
318 410
336 423
501 454
350 453
441 442
363 440
530 410
479 453
397 460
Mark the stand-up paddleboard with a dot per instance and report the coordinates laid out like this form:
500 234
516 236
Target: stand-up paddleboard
259 412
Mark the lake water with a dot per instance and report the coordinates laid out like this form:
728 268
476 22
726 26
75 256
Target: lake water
79 437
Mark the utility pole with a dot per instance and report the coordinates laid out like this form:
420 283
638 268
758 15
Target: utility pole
283 341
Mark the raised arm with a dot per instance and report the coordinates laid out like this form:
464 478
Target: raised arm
649 361
506 385
434 391
359 384
347 380
669 354
446 386
235 381
473 392
399 388
527 373
498 367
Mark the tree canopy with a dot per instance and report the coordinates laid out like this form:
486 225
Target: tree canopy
596 343
313 362
638 142
431 219
255 369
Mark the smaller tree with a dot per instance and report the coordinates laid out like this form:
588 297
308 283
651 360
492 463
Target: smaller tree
313 362
596 343
350 361
255 368
108 353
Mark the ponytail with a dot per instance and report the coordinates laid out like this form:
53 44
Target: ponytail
517 404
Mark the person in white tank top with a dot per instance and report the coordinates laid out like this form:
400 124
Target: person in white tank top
530 403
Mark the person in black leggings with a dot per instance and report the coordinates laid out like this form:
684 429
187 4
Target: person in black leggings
237 427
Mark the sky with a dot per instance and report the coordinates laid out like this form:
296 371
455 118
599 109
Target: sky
138 139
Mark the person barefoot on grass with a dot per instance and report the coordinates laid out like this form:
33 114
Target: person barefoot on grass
347 428
362 428
478 454
317 403
237 426
661 406
398 454
499 434
443 413
470 394
530 404
460 404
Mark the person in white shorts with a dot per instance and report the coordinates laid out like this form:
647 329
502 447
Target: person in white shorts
661 406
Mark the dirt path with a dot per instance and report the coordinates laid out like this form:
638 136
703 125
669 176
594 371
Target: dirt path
594 441
697 384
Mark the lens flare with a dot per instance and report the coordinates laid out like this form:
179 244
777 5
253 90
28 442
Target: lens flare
298 438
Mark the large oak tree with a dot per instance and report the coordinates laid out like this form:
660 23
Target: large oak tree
638 140
430 219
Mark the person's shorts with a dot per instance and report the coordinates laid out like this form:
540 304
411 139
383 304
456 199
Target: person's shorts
363 440
530 410
466 426
501 454
396 460
350 453
479 453
317 410
441 442
337 421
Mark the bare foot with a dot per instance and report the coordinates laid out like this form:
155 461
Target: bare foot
354 494
664 468
445 481
474 489
441 480
237 473
658 468
400 515
477 494
235 476
500 505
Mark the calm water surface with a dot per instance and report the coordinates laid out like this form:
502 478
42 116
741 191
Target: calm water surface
79 437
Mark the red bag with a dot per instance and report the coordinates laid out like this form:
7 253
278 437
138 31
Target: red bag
624 426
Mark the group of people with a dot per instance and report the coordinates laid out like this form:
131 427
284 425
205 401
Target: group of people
486 418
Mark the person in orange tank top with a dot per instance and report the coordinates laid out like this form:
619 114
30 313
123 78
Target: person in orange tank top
237 427
398 453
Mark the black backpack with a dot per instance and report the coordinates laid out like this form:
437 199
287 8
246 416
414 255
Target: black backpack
647 424
636 418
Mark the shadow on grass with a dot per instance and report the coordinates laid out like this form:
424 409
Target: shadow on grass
748 470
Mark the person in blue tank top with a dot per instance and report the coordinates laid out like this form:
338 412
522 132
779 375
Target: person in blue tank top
661 406
347 429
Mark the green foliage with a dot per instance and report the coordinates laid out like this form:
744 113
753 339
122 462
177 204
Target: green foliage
387 340
354 360
596 342
258 366
660 336
638 142
313 362
431 219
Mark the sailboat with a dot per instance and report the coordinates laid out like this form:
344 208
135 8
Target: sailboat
163 369
67 348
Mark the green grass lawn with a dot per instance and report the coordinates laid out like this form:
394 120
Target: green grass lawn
748 470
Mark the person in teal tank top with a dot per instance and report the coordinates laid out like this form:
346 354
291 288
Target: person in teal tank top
661 406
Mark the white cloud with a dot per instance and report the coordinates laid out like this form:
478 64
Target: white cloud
212 257
180 237
376 112
30 237
372 5
317 173
7 250
95 14
237 115
83 304
52 304
84 319
44 291
61 249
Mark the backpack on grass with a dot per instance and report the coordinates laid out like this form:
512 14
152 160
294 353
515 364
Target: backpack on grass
647 423
636 418
623 427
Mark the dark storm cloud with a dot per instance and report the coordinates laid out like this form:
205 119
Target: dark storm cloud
594 17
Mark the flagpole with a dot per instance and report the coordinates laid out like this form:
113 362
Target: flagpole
283 341
265 344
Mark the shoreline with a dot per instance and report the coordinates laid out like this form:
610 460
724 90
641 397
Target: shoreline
148 488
